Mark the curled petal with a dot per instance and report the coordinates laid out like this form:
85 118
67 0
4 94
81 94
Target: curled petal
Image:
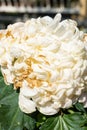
26 105
27 91
47 110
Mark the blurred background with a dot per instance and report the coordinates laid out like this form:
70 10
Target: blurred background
12 11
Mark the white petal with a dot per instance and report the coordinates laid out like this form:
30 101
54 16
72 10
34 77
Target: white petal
48 110
26 105
28 92
83 99
68 103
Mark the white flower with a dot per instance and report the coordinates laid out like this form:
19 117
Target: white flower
47 59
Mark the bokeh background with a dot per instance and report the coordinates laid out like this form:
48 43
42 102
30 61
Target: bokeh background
12 11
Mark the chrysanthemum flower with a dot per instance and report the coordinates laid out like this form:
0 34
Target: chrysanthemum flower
47 60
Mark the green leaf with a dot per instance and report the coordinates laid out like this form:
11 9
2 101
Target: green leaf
80 107
11 118
65 122
29 122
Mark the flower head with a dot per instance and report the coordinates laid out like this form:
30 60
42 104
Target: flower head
47 60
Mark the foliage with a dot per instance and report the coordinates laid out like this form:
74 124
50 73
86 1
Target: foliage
11 118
